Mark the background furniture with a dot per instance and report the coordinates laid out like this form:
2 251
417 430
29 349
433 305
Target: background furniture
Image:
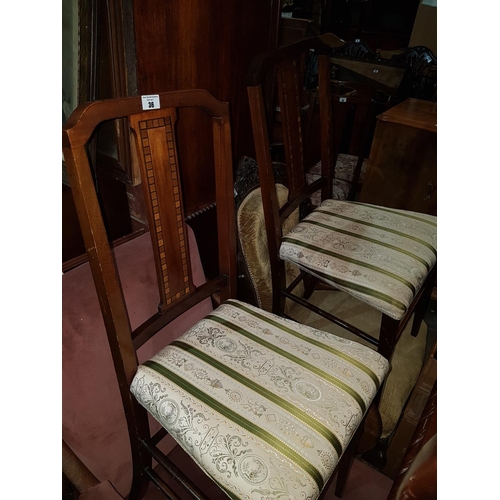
417 477
134 47
402 169
413 412
384 24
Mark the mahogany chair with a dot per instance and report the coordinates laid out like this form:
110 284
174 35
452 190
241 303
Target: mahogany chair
351 125
263 405
384 257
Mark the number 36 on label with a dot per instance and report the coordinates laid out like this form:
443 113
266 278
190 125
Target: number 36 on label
150 101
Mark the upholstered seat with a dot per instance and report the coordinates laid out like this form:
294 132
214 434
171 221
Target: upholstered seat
266 406
344 175
409 353
379 255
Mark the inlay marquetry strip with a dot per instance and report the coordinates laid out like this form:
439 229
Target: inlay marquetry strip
290 104
162 183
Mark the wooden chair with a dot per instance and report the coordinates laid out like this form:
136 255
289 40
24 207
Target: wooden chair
353 119
260 403
355 104
255 287
383 257
420 79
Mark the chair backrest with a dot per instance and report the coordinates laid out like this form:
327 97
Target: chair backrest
286 63
420 79
155 143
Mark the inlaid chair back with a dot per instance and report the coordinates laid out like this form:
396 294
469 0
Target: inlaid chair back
154 133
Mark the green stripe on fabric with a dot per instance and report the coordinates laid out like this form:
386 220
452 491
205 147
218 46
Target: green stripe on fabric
308 366
271 396
347 259
239 420
396 212
372 240
312 341
377 226
360 288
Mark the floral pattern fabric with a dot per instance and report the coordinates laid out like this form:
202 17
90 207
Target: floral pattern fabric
344 174
379 255
265 406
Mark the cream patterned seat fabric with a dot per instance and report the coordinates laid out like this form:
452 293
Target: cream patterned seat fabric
379 255
344 174
264 405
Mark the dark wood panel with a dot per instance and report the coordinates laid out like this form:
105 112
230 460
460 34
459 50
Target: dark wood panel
199 44
402 171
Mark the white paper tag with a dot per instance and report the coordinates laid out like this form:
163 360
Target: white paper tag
357 40
342 99
150 101
375 70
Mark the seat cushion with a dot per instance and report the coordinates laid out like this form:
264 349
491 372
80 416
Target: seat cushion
379 255
264 405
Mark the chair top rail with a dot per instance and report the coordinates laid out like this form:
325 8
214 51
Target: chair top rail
80 126
263 63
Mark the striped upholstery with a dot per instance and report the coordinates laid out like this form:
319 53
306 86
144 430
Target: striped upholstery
264 405
380 255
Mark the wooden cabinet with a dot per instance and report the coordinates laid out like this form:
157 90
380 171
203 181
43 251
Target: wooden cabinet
402 169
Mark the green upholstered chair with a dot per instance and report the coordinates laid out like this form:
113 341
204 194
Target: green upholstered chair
265 406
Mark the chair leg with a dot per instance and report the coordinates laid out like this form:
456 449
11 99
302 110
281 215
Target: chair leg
372 428
423 304
347 460
278 278
140 483
371 446
388 335
310 283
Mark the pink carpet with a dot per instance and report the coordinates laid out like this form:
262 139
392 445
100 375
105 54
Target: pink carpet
93 420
